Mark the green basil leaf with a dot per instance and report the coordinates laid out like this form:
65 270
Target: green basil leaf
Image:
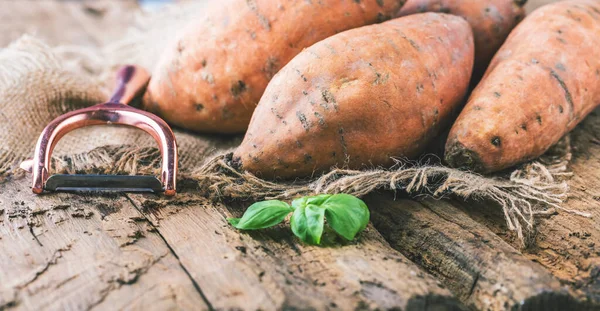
300 202
262 215
315 200
346 214
307 223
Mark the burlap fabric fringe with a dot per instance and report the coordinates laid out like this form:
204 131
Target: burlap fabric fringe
38 83
536 188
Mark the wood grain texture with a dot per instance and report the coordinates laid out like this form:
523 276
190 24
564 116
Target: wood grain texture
272 270
478 266
74 252
86 23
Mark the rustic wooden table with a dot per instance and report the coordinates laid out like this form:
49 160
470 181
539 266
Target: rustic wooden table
142 251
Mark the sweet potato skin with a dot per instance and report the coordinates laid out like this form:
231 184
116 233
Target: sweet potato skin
215 71
360 97
544 80
491 20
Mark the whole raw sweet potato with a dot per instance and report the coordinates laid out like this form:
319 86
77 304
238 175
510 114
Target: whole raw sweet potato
542 82
491 20
213 75
360 97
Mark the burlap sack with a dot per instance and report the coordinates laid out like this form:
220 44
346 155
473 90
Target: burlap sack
36 86
38 83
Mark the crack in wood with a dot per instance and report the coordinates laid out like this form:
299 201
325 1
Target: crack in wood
185 270
118 282
473 285
52 261
65 281
35 236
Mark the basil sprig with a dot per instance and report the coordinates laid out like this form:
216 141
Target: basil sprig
345 214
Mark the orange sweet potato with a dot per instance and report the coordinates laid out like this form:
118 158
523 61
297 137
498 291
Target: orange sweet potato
491 20
213 75
541 83
360 97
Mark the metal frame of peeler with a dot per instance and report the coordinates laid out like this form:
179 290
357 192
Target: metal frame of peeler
131 80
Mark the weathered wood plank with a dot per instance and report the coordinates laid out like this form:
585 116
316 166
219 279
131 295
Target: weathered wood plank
74 252
478 266
85 23
271 270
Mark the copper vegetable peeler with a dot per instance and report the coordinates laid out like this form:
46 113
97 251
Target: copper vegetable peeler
131 81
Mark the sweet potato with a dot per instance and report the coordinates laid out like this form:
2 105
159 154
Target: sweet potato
213 75
491 20
541 83
360 97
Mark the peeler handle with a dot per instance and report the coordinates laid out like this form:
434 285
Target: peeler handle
131 82
107 113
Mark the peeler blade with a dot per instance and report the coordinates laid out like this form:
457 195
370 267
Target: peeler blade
116 183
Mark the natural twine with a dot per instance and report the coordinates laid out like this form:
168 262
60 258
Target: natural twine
536 188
